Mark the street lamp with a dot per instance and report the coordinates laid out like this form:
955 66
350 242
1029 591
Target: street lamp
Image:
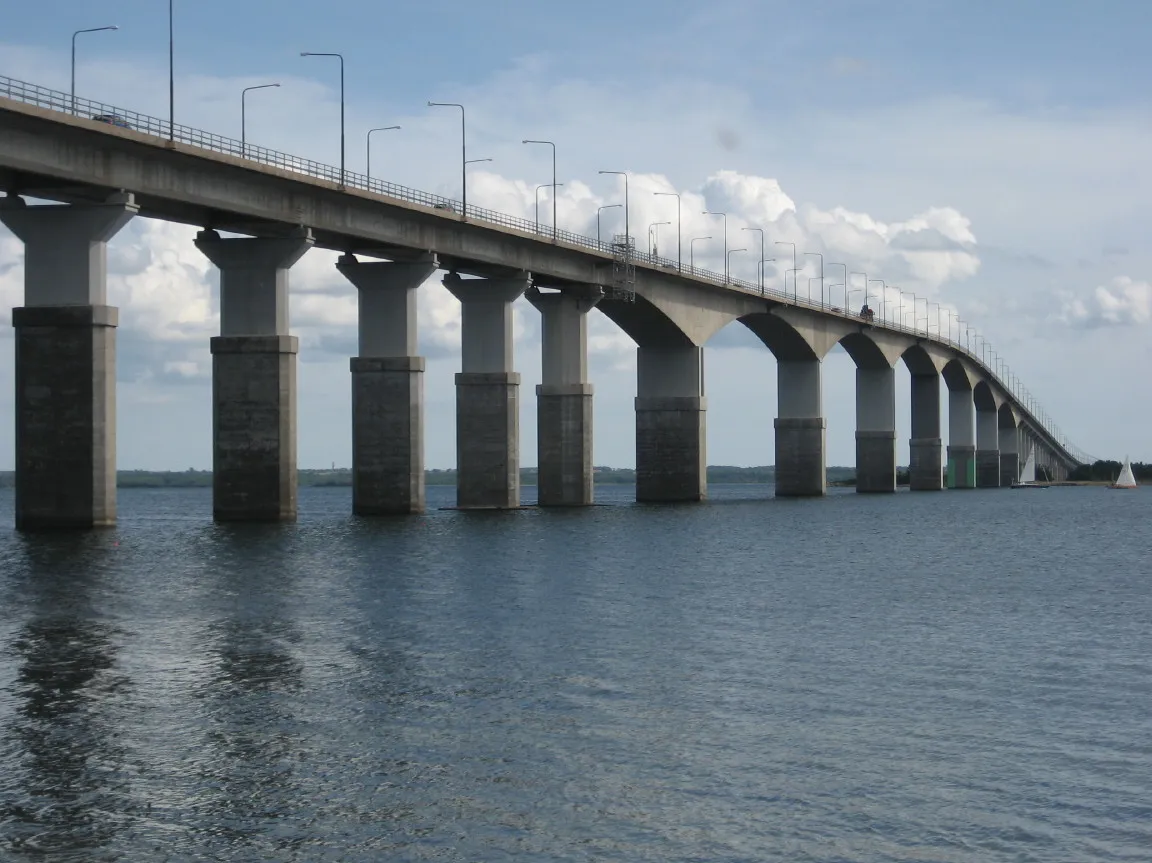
821 257
679 249
794 267
598 209
884 299
654 238
74 35
763 274
554 184
627 227
244 116
368 148
538 188
728 264
843 284
725 215
761 230
692 252
463 152
340 57
865 275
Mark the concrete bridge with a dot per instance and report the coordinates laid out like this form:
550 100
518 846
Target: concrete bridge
392 239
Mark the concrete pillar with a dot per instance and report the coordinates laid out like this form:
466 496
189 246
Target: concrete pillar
876 430
564 398
487 394
253 378
387 387
961 440
671 463
1009 456
65 363
987 448
924 468
800 429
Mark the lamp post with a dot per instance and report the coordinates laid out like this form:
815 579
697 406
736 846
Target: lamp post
553 146
728 264
340 57
761 230
794 267
764 261
538 188
74 35
679 247
865 275
927 311
627 227
795 271
654 238
883 298
463 152
843 284
171 73
598 209
244 116
725 215
692 251
368 148
821 257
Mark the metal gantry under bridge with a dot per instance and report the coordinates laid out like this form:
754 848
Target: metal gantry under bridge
102 175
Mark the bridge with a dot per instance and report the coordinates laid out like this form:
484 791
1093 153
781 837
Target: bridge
392 239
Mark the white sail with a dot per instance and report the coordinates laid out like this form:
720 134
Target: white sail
1028 474
1126 478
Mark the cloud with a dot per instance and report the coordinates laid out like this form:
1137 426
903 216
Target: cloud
1123 302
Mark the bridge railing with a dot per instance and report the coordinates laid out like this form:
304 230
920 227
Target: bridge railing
55 100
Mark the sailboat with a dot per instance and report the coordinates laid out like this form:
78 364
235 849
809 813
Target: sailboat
1028 474
1126 478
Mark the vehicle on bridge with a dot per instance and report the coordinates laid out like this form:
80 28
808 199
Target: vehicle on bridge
867 313
112 120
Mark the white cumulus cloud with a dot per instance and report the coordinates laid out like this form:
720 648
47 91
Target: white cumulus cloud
1123 302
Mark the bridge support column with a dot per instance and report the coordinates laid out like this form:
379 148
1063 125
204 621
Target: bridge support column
924 468
487 394
961 439
65 363
387 387
564 398
800 430
253 378
876 430
987 449
670 425
1009 456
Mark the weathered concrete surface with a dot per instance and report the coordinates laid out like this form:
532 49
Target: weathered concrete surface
800 447
988 468
961 466
387 386
65 416
564 397
564 444
875 461
1009 468
487 440
387 435
925 467
254 428
670 449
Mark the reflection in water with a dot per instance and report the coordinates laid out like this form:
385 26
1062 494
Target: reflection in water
66 775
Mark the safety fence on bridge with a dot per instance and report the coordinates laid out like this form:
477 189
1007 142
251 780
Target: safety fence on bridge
56 100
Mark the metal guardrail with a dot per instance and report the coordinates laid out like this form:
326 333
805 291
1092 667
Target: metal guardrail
55 100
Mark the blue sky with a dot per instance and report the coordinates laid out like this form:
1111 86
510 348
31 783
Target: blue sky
1017 130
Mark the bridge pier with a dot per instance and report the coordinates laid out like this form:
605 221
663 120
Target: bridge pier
987 449
924 468
1009 440
961 439
564 398
875 430
387 387
65 363
800 429
254 378
487 394
670 425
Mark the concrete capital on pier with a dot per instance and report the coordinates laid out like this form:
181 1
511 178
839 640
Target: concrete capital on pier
65 363
487 393
564 397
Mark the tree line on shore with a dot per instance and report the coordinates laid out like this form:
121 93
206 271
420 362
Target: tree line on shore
1105 470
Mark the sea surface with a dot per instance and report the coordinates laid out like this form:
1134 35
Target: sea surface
962 676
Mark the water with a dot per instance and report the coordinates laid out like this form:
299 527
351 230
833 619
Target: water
933 677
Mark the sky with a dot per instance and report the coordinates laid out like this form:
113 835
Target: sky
988 156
